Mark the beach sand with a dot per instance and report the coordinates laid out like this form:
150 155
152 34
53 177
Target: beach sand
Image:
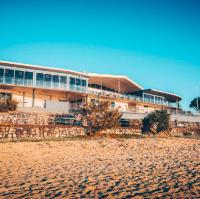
101 168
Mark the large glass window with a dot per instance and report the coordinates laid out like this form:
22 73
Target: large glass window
40 79
72 83
5 96
19 77
28 78
1 75
78 82
55 83
63 82
83 85
9 76
47 80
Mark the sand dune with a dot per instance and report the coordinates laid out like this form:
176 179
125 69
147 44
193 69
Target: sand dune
102 168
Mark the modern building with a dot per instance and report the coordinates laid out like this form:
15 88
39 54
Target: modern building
59 90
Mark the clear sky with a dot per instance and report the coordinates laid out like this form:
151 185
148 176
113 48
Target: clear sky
154 42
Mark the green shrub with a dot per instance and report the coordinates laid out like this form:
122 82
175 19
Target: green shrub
156 121
101 116
8 105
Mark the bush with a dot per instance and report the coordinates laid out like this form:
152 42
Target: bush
8 105
156 122
100 116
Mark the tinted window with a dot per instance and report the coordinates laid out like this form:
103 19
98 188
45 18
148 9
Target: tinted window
28 75
72 81
83 83
55 78
19 74
47 77
40 76
9 73
78 82
63 79
1 71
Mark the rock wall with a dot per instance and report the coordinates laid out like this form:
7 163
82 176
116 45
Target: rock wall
20 125
38 132
26 118
185 129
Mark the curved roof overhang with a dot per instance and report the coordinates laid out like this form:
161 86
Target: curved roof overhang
118 83
43 68
169 96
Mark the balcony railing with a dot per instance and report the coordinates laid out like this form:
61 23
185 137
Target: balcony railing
42 84
131 97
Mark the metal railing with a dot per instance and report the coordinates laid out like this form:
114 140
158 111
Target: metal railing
129 97
42 84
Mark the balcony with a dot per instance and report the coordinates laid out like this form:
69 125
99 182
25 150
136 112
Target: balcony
42 84
153 99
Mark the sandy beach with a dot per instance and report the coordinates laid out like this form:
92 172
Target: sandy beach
102 168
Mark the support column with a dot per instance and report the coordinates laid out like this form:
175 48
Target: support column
119 86
33 98
23 99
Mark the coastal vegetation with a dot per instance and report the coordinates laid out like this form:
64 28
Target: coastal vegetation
8 105
100 116
195 104
156 122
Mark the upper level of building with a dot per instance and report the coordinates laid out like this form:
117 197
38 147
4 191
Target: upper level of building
117 86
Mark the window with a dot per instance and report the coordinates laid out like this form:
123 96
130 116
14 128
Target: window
55 81
28 80
39 79
83 83
55 78
47 80
47 77
72 81
9 75
63 82
1 75
78 82
5 96
19 75
1 72
29 75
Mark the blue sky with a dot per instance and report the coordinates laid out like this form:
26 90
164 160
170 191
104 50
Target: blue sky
156 43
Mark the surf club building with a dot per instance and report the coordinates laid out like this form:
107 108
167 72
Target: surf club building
60 90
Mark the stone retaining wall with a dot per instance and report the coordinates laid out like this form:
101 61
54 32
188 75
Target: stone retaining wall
17 125
38 132
26 118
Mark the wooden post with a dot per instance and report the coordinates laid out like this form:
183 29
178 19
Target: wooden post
33 98
23 99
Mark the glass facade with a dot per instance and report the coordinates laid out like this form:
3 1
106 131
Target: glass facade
1 75
9 76
41 80
19 77
5 96
55 81
63 82
28 78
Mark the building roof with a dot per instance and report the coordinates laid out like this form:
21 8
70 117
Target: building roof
119 83
169 96
44 68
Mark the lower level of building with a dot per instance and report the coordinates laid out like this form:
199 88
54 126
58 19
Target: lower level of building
69 102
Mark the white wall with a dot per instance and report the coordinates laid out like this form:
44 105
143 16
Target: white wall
56 106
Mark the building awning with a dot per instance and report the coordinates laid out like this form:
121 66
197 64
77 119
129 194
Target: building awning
43 68
118 83
169 96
